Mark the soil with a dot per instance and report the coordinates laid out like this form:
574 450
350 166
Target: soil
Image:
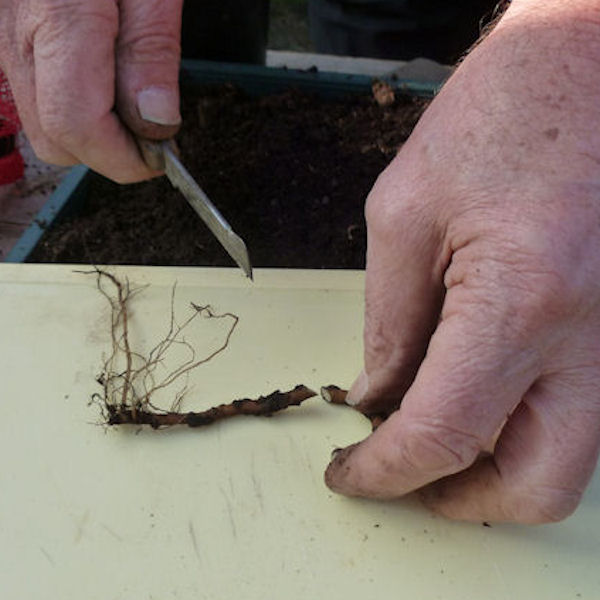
290 172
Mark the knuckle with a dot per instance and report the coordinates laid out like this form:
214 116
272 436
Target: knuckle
65 130
547 279
529 310
547 286
48 152
524 291
149 45
392 209
55 20
439 449
537 297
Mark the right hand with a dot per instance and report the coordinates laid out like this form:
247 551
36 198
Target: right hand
87 74
482 322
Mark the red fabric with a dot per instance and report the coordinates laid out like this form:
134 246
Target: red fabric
11 161
12 168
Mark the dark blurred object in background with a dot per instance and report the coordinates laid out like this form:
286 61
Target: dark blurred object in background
398 29
225 30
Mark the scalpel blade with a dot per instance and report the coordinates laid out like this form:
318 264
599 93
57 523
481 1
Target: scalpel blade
161 155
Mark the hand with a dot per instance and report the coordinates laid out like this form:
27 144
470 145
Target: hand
71 62
483 284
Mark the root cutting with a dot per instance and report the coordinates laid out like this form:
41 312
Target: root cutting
265 406
336 395
130 379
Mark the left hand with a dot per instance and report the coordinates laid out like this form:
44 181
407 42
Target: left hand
483 283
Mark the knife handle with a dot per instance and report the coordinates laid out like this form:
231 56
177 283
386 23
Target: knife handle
153 152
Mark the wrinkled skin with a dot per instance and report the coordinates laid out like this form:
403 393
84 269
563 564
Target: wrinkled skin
483 284
71 62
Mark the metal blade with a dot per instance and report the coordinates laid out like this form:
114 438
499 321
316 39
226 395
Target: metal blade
208 212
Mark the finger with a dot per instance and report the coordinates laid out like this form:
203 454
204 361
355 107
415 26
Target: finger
74 79
403 292
477 369
148 55
542 463
22 83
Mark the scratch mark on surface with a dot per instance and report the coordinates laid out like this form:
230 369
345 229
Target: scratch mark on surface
229 512
80 526
111 532
257 485
293 447
194 541
503 582
48 556
315 481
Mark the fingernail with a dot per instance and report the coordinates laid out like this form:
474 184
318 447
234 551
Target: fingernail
335 452
159 105
358 390
338 469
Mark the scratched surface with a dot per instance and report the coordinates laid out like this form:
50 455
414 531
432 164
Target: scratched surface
238 510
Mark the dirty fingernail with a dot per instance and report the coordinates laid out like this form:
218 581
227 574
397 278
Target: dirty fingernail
338 469
358 390
335 452
159 105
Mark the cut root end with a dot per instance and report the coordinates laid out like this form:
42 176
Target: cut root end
336 395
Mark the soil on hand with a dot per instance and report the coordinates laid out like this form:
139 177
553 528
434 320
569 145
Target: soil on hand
290 172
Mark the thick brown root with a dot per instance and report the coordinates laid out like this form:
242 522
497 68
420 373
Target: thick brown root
265 406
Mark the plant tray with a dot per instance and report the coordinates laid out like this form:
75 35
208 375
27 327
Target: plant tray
253 80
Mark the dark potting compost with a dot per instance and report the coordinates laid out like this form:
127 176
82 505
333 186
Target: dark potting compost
290 172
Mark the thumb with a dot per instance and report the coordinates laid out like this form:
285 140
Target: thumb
148 55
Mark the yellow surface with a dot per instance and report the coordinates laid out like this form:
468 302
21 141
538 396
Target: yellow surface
238 510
